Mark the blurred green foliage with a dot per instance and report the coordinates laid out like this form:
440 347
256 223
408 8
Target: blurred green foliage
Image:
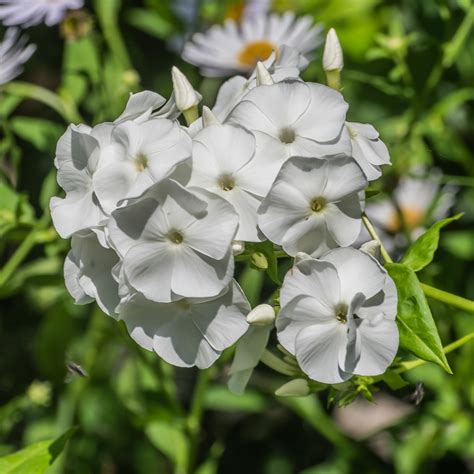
409 70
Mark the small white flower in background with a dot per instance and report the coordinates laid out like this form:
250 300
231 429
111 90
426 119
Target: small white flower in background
237 47
175 242
251 346
13 54
367 149
314 205
338 316
33 12
224 163
88 272
139 155
189 332
421 202
77 156
294 118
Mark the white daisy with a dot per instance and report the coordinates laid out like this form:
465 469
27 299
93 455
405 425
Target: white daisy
33 12
189 332
13 54
236 48
338 316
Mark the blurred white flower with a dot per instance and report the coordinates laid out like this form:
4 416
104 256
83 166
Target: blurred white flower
139 155
77 156
420 201
189 332
367 149
88 272
314 205
237 47
175 242
33 12
224 163
338 316
13 54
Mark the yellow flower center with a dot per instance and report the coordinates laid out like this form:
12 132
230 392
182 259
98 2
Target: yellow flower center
175 237
341 313
227 183
318 204
255 51
412 217
141 162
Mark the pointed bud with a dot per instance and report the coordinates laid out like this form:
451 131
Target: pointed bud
208 118
333 59
261 315
264 78
372 247
294 388
185 96
259 261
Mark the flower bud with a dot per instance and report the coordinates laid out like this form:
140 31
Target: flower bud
185 96
238 246
333 60
264 78
208 118
372 247
294 388
258 260
261 315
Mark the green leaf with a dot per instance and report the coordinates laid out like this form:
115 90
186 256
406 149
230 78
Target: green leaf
421 252
42 134
219 398
36 458
418 332
371 192
460 244
170 440
48 189
150 22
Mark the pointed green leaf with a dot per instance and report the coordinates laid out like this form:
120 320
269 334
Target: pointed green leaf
418 332
36 458
421 252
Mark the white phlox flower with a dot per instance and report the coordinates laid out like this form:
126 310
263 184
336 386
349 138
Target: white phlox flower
175 242
251 346
77 157
338 316
189 332
236 48
33 12
88 272
13 54
139 154
314 205
224 162
367 149
294 118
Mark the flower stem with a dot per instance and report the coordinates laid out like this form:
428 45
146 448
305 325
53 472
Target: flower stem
195 416
23 250
412 364
448 298
373 233
275 363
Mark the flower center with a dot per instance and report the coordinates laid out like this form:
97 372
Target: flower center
412 217
341 313
318 204
227 182
141 162
255 51
287 135
175 237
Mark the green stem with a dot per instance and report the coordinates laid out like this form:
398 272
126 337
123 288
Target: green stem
275 363
23 250
25 90
412 364
448 298
373 233
195 416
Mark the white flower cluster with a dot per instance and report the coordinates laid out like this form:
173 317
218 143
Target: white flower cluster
155 210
